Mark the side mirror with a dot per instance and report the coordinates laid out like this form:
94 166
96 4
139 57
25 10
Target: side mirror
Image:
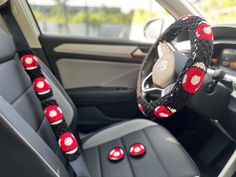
153 29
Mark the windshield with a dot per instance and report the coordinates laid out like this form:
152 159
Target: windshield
217 11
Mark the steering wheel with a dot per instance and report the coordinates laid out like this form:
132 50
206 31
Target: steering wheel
167 77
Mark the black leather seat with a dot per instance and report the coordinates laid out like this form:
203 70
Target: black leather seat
29 148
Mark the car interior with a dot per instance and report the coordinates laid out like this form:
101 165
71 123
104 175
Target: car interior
100 90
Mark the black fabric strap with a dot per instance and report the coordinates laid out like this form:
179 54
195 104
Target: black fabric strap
17 34
52 111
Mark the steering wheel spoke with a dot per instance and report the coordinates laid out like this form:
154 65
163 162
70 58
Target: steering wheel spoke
149 88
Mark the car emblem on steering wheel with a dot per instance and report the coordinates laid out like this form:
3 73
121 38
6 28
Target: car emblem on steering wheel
162 65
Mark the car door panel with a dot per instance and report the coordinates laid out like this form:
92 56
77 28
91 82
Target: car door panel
99 76
76 73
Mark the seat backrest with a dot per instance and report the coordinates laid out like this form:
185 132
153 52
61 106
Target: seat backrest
28 145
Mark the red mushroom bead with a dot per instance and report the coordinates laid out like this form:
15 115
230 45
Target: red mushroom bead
68 143
192 80
53 114
162 112
29 62
116 154
204 31
41 86
137 150
140 107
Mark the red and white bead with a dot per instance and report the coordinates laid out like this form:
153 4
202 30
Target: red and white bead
116 154
193 79
53 114
162 112
68 143
185 17
204 31
137 150
140 107
41 86
29 62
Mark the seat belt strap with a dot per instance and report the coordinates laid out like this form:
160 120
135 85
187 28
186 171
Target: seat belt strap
15 30
52 111
67 141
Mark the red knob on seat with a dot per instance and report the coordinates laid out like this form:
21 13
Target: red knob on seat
116 154
137 150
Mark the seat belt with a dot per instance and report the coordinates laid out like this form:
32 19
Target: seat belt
52 111
37 77
66 140
16 32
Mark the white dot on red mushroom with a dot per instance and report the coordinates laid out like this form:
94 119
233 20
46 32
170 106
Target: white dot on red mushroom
195 80
207 30
116 154
112 151
28 60
68 141
40 84
52 113
137 149
59 109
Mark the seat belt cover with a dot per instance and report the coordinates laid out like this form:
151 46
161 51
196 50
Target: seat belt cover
52 111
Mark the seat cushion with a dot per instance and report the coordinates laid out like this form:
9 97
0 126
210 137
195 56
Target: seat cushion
164 157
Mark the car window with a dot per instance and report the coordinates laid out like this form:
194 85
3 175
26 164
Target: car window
114 19
217 11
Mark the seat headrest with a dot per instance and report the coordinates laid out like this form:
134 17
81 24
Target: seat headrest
7 47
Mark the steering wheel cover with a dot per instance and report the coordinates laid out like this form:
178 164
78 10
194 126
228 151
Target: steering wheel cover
192 75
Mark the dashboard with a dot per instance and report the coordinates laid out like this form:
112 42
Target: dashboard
224 57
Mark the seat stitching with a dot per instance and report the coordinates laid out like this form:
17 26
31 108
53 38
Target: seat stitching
130 164
21 94
40 124
185 152
158 158
29 145
100 161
